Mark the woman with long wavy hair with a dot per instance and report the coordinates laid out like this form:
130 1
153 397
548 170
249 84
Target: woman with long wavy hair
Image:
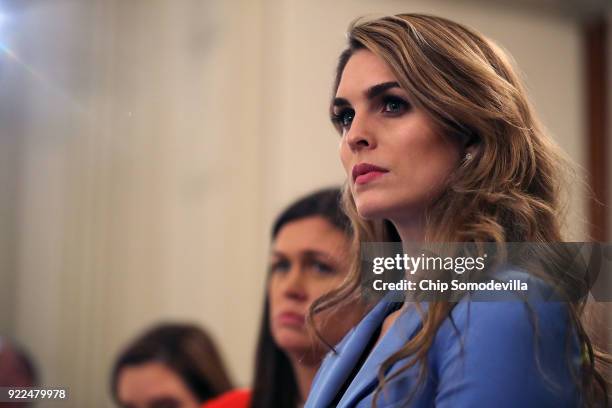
440 144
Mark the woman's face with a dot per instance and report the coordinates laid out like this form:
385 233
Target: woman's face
308 259
395 158
153 385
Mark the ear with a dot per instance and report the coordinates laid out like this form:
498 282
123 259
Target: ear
472 143
472 149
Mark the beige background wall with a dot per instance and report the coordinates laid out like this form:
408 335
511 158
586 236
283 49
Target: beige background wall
610 118
147 145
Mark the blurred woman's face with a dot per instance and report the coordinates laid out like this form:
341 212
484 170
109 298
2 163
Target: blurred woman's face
153 385
395 159
309 258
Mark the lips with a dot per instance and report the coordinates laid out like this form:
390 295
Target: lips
365 172
291 319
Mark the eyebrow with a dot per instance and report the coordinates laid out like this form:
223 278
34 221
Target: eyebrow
308 253
370 93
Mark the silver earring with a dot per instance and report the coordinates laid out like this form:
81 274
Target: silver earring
468 157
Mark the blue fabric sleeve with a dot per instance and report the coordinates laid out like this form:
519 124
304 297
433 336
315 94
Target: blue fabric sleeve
488 355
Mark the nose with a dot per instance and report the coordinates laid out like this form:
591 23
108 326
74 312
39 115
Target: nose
360 135
295 285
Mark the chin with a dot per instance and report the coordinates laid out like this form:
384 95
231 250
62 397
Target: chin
303 350
294 344
374 205
289 339
371 207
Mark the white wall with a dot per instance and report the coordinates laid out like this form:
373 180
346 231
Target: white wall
10 136
140 181
610 122
161 138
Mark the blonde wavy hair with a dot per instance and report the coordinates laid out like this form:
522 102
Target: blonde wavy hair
509 192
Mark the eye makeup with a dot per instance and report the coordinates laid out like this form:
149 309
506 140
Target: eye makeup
389 104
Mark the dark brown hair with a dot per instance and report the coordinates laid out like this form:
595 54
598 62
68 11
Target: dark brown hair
185 349
274 381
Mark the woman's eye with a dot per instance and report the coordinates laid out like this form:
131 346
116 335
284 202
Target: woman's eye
394 105
166 402
344 118
280 266
323 267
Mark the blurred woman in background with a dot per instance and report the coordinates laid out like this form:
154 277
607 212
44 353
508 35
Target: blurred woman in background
17 371
169 366
308 258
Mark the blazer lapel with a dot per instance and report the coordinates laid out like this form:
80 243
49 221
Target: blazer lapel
338 366
366 379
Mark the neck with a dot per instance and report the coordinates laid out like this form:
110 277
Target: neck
304 372
410 230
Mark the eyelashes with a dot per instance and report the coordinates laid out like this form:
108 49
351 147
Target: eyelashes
390 106
279 266
343 118
395 105
321 267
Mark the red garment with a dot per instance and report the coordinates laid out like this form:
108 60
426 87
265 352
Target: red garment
231 399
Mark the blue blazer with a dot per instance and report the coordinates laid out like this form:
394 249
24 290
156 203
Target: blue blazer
485 356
